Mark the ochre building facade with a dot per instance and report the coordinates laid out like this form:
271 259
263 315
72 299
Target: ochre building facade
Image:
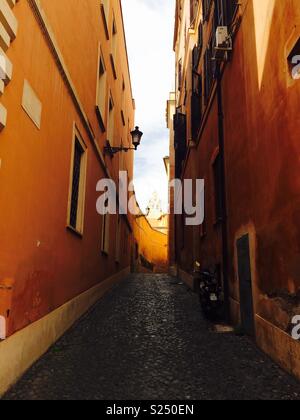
65 93
237 127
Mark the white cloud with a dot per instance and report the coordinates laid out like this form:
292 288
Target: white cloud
149 34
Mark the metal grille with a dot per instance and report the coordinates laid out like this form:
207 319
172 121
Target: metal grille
76 184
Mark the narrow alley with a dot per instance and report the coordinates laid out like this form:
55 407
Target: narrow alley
147 339
149 137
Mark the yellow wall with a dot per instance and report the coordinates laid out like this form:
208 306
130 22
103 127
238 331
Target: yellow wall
42 263
152 245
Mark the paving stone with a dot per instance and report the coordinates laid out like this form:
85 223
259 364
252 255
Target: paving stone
147 339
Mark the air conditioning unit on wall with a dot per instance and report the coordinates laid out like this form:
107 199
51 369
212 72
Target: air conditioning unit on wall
223 39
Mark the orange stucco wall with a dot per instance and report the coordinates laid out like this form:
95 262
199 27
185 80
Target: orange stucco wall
261 126
42 264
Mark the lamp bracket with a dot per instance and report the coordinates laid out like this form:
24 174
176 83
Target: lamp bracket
109 150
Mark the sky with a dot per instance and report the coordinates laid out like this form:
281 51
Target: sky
149 28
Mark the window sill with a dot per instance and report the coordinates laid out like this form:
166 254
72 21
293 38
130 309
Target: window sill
75 232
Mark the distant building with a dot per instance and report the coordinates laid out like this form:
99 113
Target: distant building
155 215
151 246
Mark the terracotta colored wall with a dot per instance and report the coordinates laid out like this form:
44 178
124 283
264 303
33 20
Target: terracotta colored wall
44 263
261 125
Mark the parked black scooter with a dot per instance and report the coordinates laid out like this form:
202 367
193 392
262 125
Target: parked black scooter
211 295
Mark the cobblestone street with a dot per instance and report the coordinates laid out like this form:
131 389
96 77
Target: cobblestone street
147 340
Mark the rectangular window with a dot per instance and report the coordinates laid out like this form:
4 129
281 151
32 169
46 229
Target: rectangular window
111 122
114 39
224 12
217 171
101 93
209 70
196 105
105 5
123 103
77 187
200 37
114 49
231 8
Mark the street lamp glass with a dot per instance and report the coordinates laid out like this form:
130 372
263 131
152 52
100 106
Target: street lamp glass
136 137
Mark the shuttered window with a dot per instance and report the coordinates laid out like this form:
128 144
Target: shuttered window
102 93
224 11
206 7
77 187
209 69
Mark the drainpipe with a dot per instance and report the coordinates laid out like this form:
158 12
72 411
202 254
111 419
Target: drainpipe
225 252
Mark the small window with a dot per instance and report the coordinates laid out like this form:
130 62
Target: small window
123 103
114 28
105 6
225 12
101 94
209 72
114 49
111 121
217 172
77 187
